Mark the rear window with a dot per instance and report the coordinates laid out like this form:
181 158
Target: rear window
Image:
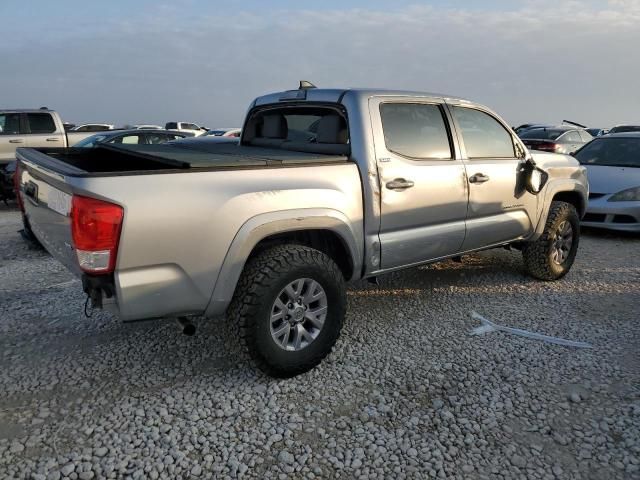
571 137
625 129
542 133
415 130
171 126
41 123
90 142
613 152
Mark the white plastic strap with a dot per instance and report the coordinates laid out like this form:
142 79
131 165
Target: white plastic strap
488 326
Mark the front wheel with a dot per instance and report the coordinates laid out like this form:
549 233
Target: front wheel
290 303
552 255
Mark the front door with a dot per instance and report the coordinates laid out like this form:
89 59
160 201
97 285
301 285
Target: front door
11 137
423 201
500 207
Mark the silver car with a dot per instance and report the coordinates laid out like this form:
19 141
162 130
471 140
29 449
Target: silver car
613 169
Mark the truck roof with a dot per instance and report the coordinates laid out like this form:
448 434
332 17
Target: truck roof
25 110
336 94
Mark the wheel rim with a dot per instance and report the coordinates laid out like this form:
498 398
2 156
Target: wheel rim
298 314
561 243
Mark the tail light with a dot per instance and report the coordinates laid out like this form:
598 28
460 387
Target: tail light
16 186
95 229
547 147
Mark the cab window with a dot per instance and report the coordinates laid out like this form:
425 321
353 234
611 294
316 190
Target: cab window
9 123
41 123
415 130
483 135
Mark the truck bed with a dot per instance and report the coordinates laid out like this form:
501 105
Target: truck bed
109 160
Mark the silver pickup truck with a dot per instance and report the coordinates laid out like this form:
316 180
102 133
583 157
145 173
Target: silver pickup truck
326 187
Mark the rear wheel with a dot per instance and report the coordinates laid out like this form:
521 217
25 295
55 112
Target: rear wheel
290 303
552 255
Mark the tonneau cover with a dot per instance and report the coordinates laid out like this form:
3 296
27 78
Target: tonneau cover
201 155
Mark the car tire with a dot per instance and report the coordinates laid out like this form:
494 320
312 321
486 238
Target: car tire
290 304
551 256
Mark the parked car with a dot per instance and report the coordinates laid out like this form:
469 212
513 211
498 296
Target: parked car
185 126
271 229
205 140
560 139
597 132
131 137
93 127
224 132
613 169
147 127
33 128
625 129
527 126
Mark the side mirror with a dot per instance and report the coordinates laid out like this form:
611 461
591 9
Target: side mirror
536 178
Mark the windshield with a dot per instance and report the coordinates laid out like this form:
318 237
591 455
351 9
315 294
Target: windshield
613 152
91 141
542 133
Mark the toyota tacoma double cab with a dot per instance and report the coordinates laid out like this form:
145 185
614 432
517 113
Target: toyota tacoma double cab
326 186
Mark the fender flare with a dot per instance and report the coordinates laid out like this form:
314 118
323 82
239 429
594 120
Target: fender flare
264 225
551 190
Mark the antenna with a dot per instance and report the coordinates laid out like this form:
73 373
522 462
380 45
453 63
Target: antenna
305 84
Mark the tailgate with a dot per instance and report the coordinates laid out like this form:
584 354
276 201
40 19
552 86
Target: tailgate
47 203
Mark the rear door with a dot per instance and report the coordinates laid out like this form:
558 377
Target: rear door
11 136
423 191
500 207
42 131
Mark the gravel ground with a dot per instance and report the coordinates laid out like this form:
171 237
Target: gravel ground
407 393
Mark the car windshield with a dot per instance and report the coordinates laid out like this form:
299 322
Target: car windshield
542 133
91 141
612 152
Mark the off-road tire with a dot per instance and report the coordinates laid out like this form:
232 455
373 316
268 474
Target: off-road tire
263 278
538 254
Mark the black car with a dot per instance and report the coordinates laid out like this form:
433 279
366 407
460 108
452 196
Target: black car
561 139
131 137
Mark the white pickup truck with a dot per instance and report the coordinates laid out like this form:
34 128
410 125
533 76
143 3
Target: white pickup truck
34 129
326 186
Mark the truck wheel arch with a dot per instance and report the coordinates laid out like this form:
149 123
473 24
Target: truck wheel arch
323 229
564 191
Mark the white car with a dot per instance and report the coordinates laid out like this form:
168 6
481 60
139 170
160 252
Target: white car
224 132
93 127
146 127
186 127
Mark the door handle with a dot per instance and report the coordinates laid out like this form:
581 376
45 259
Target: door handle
399 184
478 178
53 139
16 140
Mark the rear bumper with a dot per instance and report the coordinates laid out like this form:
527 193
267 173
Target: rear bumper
619 216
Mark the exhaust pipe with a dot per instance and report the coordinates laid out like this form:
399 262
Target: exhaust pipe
188 328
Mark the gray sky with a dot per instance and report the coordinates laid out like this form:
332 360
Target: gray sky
199 61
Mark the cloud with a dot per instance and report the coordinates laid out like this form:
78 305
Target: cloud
543 61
